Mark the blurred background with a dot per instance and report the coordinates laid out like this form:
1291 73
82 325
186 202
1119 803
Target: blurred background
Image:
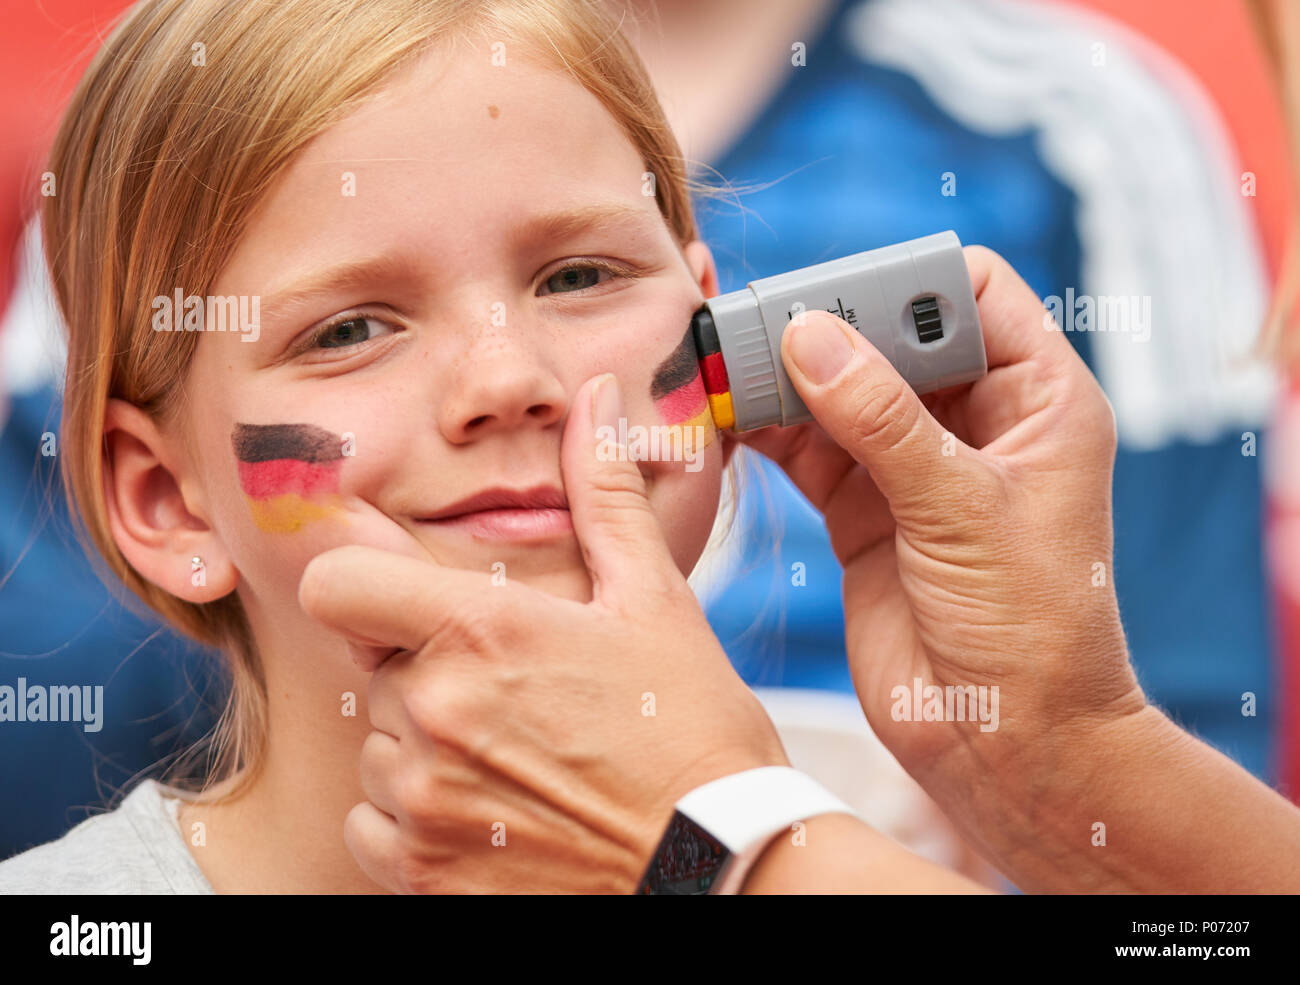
1122 148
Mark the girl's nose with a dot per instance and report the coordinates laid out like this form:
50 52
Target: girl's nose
507 391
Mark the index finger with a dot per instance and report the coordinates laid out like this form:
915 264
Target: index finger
383 599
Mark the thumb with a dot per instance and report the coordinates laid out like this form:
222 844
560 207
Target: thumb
622 542
869 410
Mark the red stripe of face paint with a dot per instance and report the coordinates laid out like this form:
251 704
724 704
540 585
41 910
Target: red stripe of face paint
683 403
280 476
715 374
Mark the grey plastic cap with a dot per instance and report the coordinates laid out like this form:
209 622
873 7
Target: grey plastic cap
913 301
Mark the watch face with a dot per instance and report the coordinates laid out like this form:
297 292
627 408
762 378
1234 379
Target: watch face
687 862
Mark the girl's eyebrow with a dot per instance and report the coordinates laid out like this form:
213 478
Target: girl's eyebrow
555 226
545 228
350 274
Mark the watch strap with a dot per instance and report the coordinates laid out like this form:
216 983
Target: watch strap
720 829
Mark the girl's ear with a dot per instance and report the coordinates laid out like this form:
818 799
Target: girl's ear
155 513
699 259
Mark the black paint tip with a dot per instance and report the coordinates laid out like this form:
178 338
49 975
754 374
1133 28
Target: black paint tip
705 332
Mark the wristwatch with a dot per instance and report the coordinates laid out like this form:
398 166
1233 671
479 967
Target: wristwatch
720 829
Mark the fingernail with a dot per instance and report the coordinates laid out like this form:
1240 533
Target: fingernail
606 402
819 348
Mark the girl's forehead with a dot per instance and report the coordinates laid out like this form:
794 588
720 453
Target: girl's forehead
470 116
449 155
462 136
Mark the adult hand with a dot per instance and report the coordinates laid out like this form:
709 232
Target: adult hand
974 527
526 742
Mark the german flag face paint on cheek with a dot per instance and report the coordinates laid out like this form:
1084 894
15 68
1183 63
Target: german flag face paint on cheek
677 388
289 473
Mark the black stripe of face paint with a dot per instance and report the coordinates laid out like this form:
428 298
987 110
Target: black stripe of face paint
681 366
303 442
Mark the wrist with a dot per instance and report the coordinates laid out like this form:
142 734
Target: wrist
1050 832
1025 795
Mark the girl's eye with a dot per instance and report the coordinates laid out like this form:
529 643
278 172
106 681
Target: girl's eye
578 277
348 332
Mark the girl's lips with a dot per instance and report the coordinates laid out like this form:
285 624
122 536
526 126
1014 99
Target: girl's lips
512 523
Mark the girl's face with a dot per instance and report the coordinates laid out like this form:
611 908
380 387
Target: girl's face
437 275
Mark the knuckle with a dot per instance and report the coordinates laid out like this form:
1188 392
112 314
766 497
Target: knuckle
619 480
443 709
988 502
414 791
884 415
671 592
493 628
427 706
623 517
462 628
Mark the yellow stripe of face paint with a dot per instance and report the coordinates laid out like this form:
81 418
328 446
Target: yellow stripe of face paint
723 414
290 513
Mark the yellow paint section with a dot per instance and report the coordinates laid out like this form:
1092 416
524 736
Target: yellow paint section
724 416
289 513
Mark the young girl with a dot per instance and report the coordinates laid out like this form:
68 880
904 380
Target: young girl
409 231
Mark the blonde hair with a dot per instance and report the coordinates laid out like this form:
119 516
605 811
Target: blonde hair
180 124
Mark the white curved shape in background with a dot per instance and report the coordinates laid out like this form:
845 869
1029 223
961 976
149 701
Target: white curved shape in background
1161 212
33 342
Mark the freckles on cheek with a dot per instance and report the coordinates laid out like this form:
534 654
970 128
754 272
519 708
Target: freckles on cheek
289 474
677 389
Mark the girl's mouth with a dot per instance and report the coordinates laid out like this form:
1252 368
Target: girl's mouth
510 524
539 513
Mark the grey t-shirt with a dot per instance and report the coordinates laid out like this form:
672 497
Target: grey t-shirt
137 849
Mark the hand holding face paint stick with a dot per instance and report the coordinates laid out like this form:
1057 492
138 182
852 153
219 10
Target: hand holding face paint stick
971 524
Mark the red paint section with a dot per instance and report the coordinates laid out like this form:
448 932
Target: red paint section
683 403
280 476
715 374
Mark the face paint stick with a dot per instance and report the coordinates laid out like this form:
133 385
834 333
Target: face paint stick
913 301
289 473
